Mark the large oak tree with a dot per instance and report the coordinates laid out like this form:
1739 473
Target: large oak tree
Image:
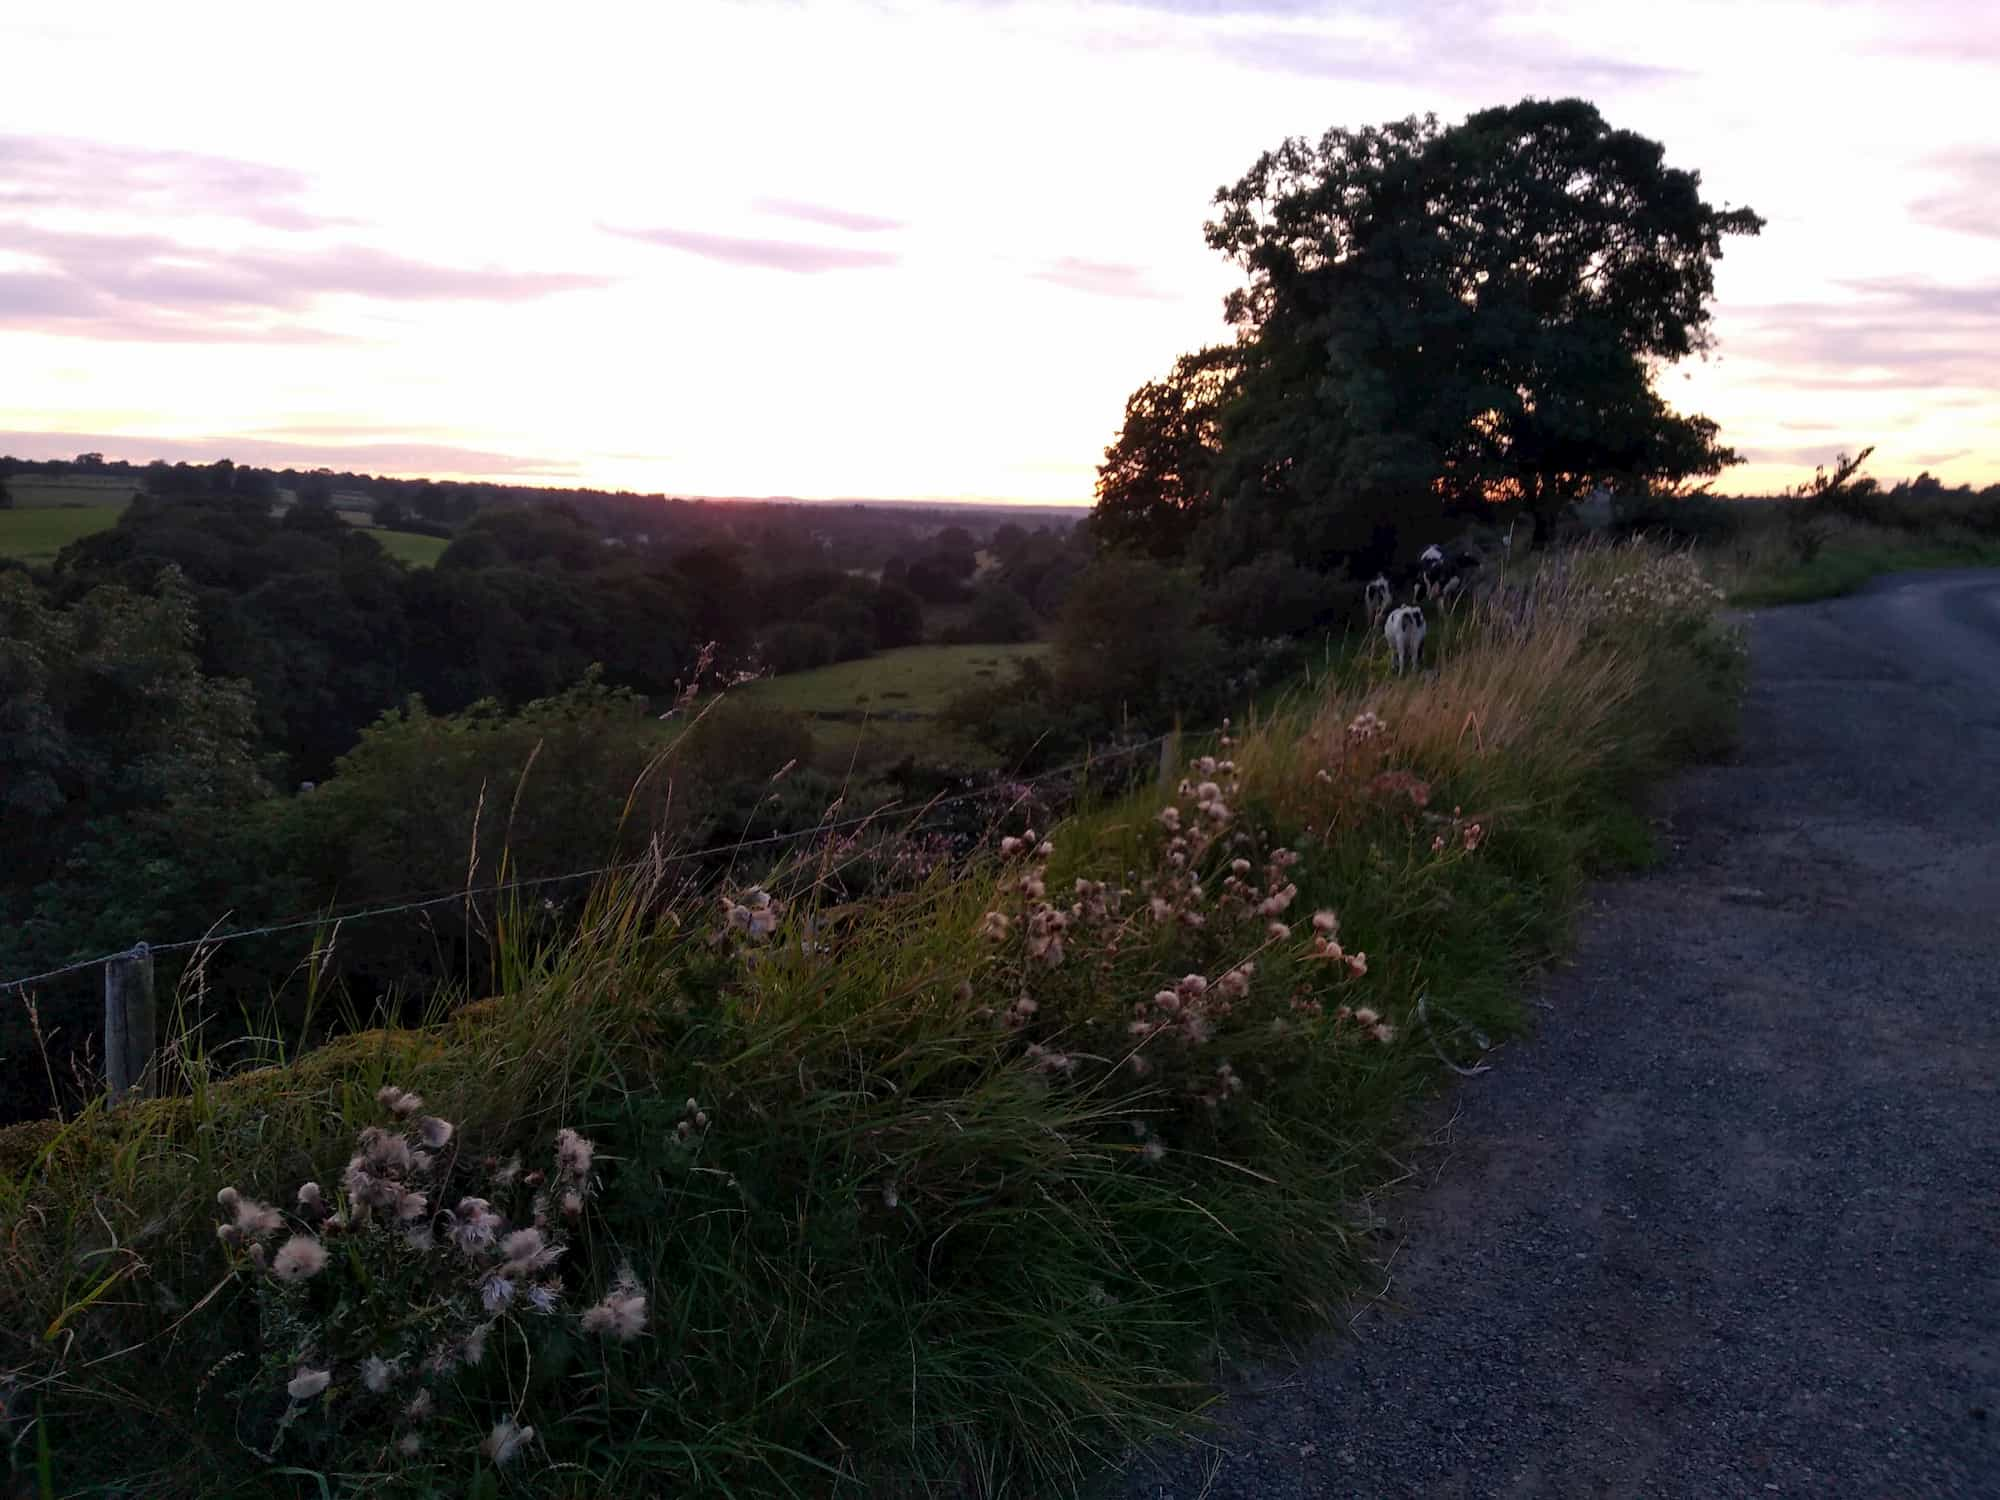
1433 319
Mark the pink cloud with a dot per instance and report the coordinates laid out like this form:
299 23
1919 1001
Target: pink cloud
40 171
835 218
151 288
1101 278
1970 204
768 255
1897 332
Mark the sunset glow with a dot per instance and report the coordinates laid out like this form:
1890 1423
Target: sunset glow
843 248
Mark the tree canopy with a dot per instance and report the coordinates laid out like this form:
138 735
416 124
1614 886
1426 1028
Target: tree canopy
1434 319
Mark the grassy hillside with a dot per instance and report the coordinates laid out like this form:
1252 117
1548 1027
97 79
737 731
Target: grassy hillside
947 1193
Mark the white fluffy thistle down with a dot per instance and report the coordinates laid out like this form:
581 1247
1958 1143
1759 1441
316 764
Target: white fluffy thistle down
573 1154
248 1218
300 1257
399 1102
622 1313
506 1439
473 1225
377 1373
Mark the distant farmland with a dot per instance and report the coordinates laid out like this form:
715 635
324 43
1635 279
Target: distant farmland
36 534
49 514
412 547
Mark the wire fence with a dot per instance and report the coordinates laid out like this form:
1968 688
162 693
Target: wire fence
426 900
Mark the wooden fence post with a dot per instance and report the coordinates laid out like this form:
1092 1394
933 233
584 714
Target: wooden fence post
1170 757
129 1023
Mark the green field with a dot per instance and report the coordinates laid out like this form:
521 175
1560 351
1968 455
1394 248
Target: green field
884 707
49 514
35 492
911 679
38 533
412 547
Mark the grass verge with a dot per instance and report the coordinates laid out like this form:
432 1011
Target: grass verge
1773 565
945 1193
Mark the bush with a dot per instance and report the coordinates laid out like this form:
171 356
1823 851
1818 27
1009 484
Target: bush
849 617
798 646
1127 643
999 617
736 740
1274 596
899 617
1026 720
1689 518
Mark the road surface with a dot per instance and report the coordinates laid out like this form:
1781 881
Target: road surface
1729 1223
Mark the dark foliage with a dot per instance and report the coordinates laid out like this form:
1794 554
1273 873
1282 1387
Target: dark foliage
1435 320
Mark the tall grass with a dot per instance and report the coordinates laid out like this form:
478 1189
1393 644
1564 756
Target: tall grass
1776 559
953 1192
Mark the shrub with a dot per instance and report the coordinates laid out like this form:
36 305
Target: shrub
1274 596
1025 718
1128 643
899 616
798 646
998 616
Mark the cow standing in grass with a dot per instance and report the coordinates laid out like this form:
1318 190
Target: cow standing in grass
1406 630
1378 597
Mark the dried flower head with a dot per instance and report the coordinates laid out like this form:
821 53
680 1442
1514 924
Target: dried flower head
252 1220
399 1102
434 1133
622 1313
473 1225
573 1153
307 1384
300 1257
377 1373
505 1440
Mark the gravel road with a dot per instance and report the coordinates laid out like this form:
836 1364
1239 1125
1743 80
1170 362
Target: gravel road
1729 1224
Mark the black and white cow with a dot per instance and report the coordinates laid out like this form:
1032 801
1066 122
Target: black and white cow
1406 630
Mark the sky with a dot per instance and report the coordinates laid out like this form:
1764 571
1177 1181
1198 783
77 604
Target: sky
880 248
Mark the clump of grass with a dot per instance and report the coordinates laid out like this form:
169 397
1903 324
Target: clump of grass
954 1191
